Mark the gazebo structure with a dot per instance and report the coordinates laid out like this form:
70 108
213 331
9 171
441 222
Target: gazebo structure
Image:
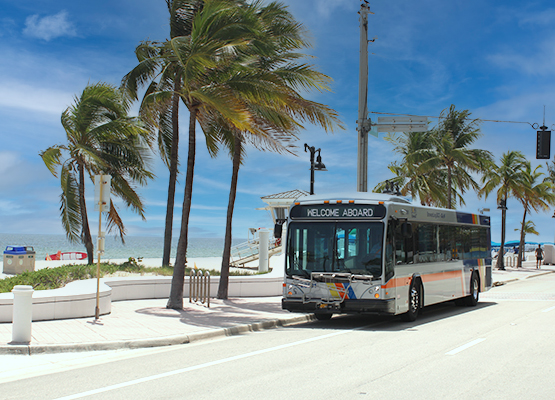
278 205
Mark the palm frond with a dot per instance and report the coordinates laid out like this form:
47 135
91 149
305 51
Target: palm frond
70 210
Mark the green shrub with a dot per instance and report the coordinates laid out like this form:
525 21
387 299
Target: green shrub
53 278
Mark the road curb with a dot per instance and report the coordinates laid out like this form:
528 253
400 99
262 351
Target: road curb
31 349
540 274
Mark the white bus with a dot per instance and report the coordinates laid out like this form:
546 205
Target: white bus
377 253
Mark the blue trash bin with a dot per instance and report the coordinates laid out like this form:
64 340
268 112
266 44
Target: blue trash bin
18 259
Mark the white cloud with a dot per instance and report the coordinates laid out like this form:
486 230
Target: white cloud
7 26
326 8
49 27
526 60
8 161
33 98
542 18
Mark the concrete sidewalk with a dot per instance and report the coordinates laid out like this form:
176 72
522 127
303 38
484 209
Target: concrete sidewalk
147 323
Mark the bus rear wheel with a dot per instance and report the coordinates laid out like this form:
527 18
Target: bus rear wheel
472 299
415 292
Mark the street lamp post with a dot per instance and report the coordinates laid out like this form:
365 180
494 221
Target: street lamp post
503 207
314 166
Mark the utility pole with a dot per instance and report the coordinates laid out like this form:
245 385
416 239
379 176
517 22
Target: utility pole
363 123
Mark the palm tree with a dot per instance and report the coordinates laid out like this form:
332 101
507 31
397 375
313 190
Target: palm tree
529 227
508 178
163 111
428 187
450 152
279 110
101 138
211 83
535 195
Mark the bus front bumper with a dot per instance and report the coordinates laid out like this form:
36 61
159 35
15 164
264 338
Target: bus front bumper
373 306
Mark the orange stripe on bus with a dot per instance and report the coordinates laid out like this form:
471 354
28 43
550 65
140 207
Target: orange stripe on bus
436 276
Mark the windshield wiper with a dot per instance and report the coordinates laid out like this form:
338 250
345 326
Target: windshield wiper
301 273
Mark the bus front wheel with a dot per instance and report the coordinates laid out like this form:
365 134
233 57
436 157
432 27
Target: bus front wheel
415 292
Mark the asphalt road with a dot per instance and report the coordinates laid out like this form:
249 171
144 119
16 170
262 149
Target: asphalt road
503 348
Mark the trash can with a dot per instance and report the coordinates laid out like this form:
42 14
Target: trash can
549 254
18 259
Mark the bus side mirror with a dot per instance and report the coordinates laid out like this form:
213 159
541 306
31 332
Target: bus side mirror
277 230
406 229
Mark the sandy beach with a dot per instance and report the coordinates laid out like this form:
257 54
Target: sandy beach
200 262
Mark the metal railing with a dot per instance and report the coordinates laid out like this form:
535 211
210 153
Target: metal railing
199 287
248 251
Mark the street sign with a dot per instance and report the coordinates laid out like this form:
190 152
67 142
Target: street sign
102 192
402 120
402 124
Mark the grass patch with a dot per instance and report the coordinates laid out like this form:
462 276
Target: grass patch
53 278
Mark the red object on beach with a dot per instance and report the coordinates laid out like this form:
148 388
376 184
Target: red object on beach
68 255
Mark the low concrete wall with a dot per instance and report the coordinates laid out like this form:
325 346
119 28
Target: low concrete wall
75 300
158 287
78 299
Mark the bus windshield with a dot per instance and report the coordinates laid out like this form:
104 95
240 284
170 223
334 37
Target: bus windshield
354 247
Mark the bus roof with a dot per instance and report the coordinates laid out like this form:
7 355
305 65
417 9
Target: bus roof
356 196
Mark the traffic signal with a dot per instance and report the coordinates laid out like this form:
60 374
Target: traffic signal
502 204
543 147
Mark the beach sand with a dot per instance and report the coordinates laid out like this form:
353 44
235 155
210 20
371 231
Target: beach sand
201 263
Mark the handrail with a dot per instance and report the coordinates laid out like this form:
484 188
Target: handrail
248 251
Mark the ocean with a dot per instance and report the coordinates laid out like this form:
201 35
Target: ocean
135 246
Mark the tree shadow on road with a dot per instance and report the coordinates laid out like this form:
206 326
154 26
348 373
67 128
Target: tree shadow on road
222 313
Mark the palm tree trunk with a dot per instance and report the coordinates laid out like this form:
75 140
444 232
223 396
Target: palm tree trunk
178 280
224 277
173 175
500 258
449 187
521 245
85 230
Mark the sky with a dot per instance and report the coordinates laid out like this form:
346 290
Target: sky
492 58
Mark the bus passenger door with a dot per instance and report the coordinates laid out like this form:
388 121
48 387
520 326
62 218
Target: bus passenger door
394 257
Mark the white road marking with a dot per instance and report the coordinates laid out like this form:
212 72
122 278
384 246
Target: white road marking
205 365
549 309
464 347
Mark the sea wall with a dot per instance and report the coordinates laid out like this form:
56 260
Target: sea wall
78 299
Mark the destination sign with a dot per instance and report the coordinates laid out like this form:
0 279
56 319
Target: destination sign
338 211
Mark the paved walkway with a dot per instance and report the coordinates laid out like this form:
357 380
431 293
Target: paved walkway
147 323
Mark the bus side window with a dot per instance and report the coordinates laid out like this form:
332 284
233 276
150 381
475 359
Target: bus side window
403 246
426 240
400 254
409 246
444 240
